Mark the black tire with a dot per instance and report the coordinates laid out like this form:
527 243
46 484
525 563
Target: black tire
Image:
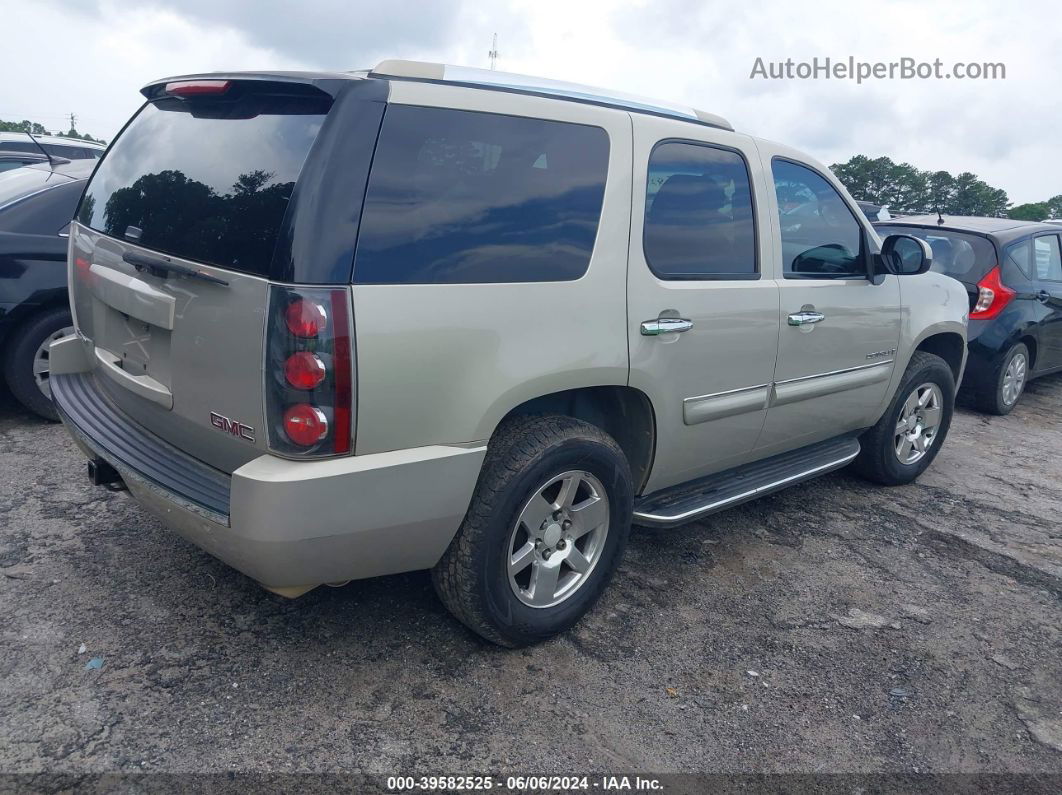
472 578
18 366
877 459
988 395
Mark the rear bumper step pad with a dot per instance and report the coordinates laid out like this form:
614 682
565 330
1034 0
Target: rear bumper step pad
125 445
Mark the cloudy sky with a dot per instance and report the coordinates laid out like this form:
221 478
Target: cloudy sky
90 57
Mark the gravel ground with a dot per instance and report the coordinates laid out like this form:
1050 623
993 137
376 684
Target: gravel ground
834 627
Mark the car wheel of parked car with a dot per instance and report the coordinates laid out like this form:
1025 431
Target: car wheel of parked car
545 530
27 367
1001 391
908 436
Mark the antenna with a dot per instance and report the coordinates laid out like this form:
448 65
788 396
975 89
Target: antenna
493 54
73 122
51 161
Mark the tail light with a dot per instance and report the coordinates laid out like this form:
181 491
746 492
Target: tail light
992 296
309 372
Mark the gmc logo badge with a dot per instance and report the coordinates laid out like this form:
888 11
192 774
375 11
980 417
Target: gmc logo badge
237 429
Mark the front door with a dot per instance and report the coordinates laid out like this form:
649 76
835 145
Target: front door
838 331
702 316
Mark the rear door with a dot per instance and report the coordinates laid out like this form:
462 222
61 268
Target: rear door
702 319
838 331
203 185
1047 264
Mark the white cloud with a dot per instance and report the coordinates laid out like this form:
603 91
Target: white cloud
94 61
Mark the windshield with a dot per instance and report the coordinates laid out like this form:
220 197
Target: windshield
210 185
962 256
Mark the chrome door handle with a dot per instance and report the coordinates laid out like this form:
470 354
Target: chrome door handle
665 325
806 318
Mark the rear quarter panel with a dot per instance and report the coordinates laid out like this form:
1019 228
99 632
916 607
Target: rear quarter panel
444 363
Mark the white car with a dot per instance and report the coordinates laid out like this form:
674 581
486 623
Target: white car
54 145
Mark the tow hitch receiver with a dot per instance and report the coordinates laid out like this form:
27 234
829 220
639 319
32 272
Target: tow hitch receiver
101 473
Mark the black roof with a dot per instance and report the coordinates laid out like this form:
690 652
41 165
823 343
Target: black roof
1001 229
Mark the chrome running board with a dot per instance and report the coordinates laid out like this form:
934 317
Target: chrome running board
705 496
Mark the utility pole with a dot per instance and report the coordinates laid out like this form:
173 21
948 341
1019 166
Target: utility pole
493 54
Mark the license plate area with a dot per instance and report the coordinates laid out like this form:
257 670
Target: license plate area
142 349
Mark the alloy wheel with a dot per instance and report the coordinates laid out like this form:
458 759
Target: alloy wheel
918 423
558 539
1014 379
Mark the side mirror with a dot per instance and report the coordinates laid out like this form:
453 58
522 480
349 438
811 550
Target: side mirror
904 255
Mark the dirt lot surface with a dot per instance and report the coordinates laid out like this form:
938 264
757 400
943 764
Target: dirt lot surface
833 627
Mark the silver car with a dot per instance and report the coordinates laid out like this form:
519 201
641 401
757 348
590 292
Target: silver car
335 326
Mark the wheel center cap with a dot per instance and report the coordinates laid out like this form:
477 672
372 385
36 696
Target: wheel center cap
552 535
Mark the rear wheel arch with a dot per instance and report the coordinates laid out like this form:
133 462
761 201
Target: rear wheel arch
1030 342
949 346
623 412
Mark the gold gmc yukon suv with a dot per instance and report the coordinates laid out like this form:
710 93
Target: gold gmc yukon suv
335 326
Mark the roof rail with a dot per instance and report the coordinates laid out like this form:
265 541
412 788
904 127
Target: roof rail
486 78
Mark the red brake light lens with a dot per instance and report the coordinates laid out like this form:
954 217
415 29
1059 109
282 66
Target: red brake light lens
992 296
196 88
305 370
309 371
305 425
305 318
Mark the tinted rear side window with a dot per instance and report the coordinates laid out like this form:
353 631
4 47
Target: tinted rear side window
698 214
964 257
460 196
19 146
207 185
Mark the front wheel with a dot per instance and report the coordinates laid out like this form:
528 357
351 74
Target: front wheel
909 435
545 531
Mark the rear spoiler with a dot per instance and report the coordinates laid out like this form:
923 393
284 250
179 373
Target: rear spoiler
278 83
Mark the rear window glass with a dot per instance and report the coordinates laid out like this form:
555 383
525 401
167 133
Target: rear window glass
461 196
210 185
964 257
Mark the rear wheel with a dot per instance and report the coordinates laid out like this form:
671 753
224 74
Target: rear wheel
1005 385
544 532
909 435
28 369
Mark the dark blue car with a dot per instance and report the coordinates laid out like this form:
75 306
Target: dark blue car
1012 271
36 205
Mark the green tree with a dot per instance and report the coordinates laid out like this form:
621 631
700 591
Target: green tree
941 191
38 129
1033 211
906 189
23 126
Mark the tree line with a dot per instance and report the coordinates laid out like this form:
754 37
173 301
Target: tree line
33 127
909 190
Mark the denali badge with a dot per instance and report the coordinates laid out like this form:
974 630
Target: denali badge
880 354
231 426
